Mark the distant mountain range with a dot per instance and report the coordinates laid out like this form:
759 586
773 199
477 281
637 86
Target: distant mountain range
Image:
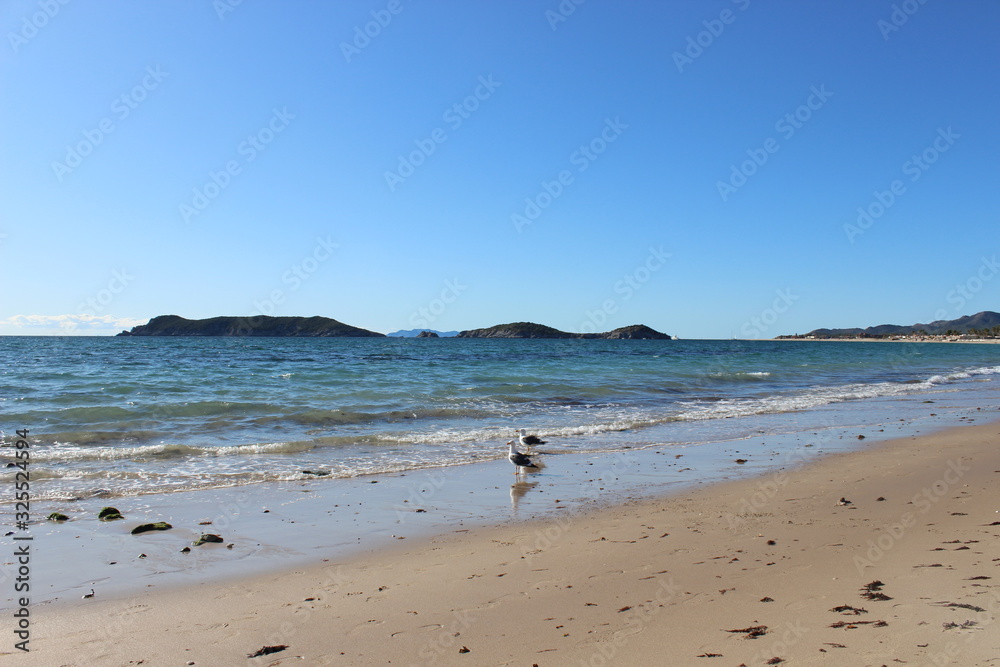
259 325
985 323
532 330
413 333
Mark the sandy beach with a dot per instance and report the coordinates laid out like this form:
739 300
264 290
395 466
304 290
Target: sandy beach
921 339
882 556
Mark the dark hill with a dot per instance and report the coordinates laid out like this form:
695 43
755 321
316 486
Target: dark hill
260 325
532 330
980 322
637 332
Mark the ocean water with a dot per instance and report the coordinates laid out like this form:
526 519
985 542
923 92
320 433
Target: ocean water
112 417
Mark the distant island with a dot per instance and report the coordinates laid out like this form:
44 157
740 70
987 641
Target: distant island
420 333
985 324
259 325
324 327
532 330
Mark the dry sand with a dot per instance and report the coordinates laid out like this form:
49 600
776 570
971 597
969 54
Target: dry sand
683 580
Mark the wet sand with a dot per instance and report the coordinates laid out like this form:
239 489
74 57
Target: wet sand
863 558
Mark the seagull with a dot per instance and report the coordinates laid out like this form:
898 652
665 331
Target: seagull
518 459
529 440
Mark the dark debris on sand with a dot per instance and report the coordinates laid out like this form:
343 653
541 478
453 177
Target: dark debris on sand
848 609
751 632
872 591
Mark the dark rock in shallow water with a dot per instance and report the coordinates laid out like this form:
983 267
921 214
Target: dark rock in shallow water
318 473
146 527
208 537
56 516
109 514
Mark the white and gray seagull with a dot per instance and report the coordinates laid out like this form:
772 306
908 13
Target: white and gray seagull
518 459
529 440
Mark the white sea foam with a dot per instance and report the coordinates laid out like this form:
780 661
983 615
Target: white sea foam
67 452
245 423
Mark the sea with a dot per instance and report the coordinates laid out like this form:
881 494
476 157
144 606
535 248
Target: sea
115 417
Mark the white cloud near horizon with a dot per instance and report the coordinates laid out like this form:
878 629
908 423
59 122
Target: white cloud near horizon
69 324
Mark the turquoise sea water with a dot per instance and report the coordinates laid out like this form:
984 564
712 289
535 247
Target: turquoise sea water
132 416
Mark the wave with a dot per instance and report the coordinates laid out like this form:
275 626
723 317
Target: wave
345 417
707 408
741 375
963 375
64 452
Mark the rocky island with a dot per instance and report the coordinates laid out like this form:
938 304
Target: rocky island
532 330
259 325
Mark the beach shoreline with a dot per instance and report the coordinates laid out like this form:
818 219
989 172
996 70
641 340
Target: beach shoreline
904 339
272 527
627 584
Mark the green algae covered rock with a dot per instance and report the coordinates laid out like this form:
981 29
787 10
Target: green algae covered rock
208 537
109 514
146 527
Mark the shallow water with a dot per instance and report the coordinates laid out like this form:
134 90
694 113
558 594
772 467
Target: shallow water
111 417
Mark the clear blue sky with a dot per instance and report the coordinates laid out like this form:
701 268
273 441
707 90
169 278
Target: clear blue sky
388 181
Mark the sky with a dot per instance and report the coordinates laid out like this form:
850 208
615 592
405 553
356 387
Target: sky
710 168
